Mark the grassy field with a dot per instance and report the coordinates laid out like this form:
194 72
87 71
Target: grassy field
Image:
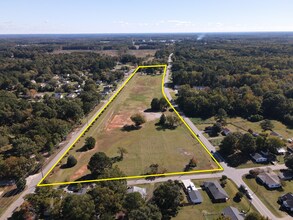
171 149
269 197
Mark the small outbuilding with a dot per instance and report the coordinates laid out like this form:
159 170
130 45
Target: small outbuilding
141 191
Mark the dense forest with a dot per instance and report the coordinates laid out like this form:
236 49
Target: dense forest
43 96
247 77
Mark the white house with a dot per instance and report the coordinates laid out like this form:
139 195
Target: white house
141 191
269 179
259 158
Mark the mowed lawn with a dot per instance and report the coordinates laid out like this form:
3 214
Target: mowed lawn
209 210
269 197
242 125
170 149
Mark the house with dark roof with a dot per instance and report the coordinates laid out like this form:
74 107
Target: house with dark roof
193 194
286 175
269 179
290 149
286 201
232 213
259 158
215 191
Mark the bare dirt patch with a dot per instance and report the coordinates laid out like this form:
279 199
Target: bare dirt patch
118 121
151 116
79 173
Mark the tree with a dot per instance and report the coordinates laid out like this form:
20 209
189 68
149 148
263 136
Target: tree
168 198
163 119
20 184
172 121
118 186
3 141
106 201
122 151
254 216
138 119
223 182
90 143
159 104
239 195
267 125
192 162
16 167
98 163
71 161
222 217
247 144
46 199
78 207
217 128
24 146
133 201
147 212
221 115
289 162
163 104
273 144
230 143
155 104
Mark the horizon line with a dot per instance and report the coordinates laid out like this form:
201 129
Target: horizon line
124 33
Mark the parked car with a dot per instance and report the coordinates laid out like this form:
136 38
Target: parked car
243 188
249 195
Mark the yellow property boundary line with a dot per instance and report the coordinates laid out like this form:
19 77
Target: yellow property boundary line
140 176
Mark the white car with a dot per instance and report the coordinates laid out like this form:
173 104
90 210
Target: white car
249 195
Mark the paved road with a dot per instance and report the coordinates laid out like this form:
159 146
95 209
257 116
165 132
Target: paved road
33 180
230 172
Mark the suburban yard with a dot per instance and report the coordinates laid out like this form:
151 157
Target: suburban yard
171 149
207 209
269 197
242 125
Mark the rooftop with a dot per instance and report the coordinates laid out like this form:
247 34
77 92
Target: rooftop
233 213
216 189
269 178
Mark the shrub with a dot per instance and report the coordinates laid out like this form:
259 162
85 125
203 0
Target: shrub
71 161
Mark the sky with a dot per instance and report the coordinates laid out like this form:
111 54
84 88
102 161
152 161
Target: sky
144 16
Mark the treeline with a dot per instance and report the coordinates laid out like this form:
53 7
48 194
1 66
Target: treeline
106 200
31 131
42 67
248 78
